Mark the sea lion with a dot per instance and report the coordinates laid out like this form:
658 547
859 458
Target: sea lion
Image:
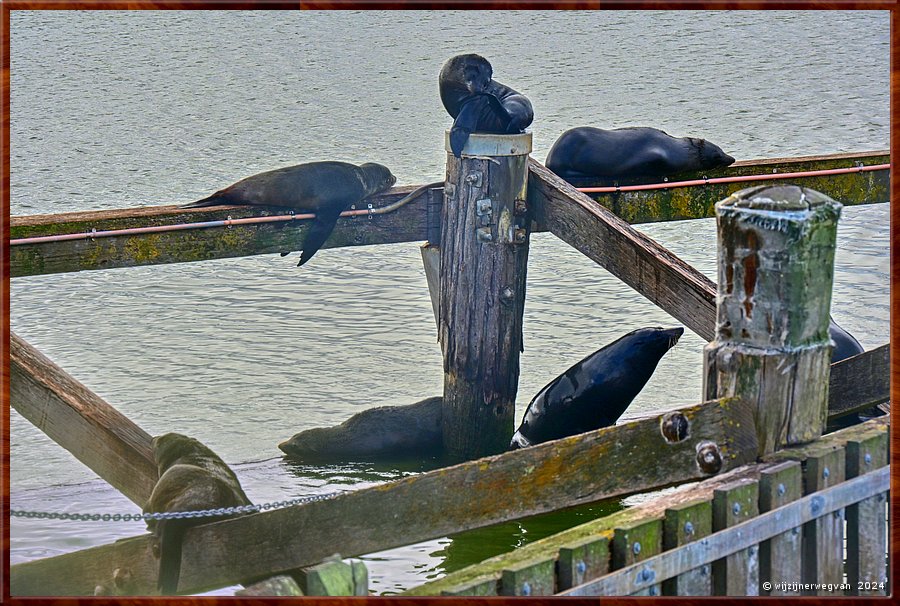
478 103
845 344
374 433
325 188
586 151
191 478
596 391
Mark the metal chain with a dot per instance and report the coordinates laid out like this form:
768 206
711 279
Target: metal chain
168 515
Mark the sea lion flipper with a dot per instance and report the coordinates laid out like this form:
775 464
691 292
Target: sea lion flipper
465 124
213 200
171 533
318 232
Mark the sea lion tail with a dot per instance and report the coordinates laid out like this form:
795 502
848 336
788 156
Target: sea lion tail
217 199
318 232
171 533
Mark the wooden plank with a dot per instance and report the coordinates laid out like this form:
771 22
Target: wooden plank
738 573
636 259
582 561
431 261
635 542
683 524
484 262
77 419
589 467
479 587
408 224
866 528
823 538
529 579
779 557
860 382
732 540
697 202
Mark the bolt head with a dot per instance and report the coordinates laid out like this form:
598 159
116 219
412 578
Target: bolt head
526 588
636 548
781 490
868 459
688 528
826 472
736 509
581 567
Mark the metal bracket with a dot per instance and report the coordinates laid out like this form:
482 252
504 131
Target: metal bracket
474 179
484 234
483 207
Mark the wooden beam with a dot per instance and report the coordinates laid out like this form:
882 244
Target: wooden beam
77 419
860 382
597 465
697 202
415 222
409 223
636 259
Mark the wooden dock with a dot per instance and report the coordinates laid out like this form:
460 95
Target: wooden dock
773 493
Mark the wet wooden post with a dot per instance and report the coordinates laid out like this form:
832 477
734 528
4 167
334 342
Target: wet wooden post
772 349
484 253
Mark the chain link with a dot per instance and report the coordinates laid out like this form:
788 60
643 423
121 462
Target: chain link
168 515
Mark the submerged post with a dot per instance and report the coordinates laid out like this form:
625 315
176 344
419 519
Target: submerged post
484 254
775 265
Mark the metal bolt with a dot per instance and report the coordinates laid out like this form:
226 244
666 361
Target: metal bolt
581 567
483 207
826 473
795 531
526 588
474 178
506 295
688 528
704 570
736 509
519 235
837 514
636 548
520 207
868 459
781 490
483 234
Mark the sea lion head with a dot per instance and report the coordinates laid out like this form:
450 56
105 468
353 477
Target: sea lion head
472 72
378 177
711 155
169 448
656 339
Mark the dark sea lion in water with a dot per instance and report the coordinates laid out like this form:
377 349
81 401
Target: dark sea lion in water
586 151
478 103
596 391
385 431
325 188
191 478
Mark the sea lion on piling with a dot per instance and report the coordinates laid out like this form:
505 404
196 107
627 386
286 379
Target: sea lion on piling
191 478
478 103
596 391
325 188
629 152
385 431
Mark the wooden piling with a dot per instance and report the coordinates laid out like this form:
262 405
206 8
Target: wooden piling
772 349
484 253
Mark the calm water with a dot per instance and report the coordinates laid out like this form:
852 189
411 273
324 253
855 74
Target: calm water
122 109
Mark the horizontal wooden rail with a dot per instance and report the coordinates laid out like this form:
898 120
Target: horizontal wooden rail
860 382
417 221
720 544
609 462
80 421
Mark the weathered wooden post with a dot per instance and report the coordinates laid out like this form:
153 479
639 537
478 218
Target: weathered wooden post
484 254
776 264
